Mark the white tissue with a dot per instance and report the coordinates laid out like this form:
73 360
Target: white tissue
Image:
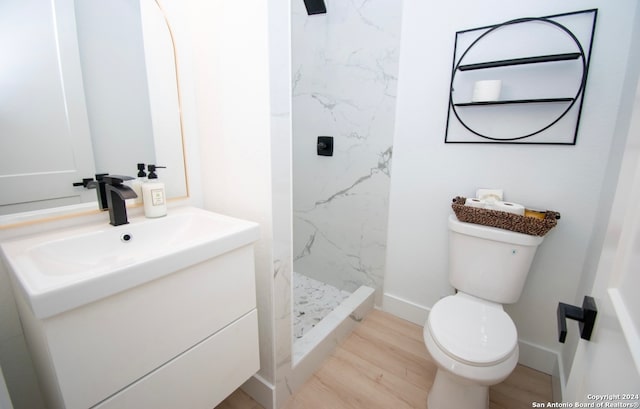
507 207
474 203
488 90
489 195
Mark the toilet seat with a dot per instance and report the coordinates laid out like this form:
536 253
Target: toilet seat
473 331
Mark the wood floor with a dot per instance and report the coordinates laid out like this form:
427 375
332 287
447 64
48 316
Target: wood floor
385 364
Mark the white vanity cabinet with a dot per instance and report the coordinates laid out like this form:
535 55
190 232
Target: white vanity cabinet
184 340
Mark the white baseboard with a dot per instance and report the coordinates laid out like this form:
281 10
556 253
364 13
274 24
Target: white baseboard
405 309
534 356
544 360
260 390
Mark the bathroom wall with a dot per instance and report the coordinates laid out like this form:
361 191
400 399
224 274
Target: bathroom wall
238 122
427 173
345 69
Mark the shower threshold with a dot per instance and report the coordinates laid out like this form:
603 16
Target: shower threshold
318 342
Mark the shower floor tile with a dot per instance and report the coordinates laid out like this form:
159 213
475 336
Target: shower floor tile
313 300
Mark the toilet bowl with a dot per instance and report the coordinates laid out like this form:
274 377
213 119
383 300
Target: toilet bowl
469 336
474 344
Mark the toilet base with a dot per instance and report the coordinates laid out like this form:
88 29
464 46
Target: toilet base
452 392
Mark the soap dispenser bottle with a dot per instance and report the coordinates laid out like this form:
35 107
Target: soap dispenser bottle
153 194
136 185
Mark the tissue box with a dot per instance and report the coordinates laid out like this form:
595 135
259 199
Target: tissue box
504 220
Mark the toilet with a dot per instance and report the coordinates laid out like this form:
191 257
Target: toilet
472 340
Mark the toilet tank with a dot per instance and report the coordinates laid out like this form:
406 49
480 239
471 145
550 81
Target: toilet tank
488 262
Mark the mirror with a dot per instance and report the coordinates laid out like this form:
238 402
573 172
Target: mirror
93 88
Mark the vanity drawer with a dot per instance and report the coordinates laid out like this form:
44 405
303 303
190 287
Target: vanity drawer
103 347
200 378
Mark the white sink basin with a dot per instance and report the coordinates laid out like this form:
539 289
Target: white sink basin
68 268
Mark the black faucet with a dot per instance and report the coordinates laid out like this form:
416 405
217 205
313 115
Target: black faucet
116 193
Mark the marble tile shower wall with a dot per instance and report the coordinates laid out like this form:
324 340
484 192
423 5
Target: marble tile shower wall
344 72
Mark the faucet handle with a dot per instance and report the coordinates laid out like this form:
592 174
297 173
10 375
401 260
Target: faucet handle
85 183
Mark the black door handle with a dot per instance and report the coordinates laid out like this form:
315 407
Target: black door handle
586 316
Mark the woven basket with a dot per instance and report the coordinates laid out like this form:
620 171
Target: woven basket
505 220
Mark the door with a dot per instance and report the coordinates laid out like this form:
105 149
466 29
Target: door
607 368
45 143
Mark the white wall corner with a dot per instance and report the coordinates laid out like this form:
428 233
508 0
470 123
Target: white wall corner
537 357
558 383
260 390
546 361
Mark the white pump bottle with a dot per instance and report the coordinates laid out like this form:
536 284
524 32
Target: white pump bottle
153 194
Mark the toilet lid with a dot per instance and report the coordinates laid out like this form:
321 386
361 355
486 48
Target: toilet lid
474 331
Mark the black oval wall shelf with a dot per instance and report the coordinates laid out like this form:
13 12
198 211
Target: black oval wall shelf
557 124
